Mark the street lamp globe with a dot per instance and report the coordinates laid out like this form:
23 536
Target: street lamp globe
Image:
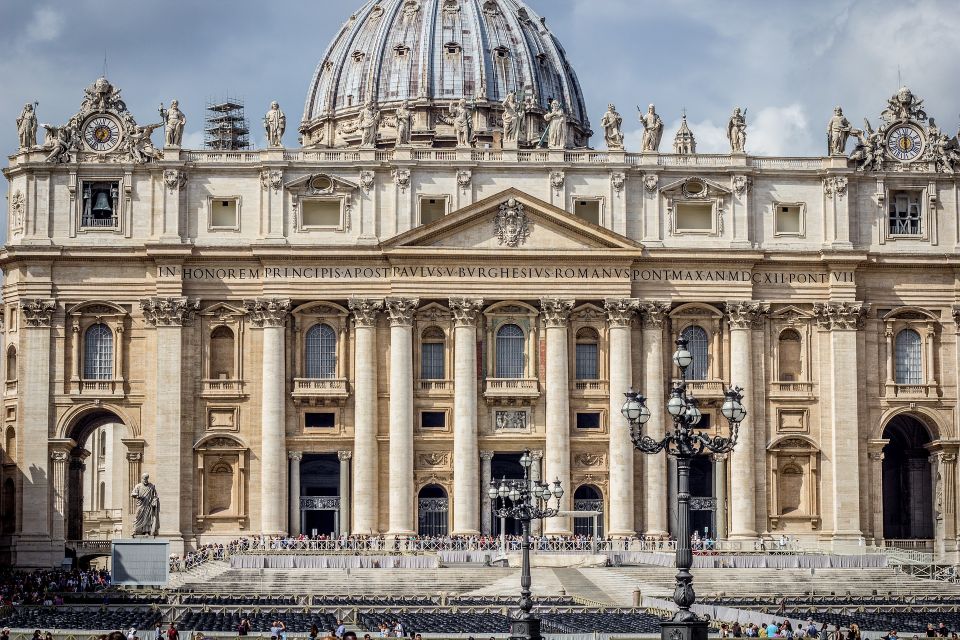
525 460
676 405
492 492
732 408
635 408
693 414
514 493
502 491
682 357
557 489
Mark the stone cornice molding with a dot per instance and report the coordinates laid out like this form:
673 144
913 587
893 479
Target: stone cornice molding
267 312
840 316
365 311
744 314
401 311
465 311
168 311
654 314
620 311
37 312
556 311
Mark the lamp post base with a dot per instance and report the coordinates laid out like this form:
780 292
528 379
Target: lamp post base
529 629
688 630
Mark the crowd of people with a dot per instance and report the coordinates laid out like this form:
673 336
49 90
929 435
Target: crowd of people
787 631
47 587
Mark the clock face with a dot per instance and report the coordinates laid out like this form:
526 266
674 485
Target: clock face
905 143
102 134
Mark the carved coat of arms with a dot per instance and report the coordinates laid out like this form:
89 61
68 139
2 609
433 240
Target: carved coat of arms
511 225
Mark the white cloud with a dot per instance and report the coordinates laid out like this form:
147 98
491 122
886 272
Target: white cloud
778 131
46 25
191 139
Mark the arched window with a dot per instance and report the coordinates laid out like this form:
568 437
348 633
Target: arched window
222 354
510 352
220 489
909 364
98 353
11 363
10 444
698 346
588 354
788 353
432 511
321 356
102 496
588 498
791 490
432 354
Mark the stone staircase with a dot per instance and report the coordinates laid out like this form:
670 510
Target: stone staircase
208 572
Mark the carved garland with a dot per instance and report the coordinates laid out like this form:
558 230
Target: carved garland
168 312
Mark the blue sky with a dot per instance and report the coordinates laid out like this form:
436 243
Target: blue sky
788 61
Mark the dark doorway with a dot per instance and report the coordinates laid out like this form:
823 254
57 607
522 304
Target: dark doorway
506 465
702 499
433 510
907 481
588 498
320 494
80 433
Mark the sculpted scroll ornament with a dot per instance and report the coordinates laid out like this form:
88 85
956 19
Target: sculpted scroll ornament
464 178
17 208
365 311
367 179
557 180
590 459
267 312
465 310
168 312
37 312
742 184
650 182
271 179
511 225
401 178
174 179
556 311
835 185
618 181
744 314
401 311
620 311
434 459
840 315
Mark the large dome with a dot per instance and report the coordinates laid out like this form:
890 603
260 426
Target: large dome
432 54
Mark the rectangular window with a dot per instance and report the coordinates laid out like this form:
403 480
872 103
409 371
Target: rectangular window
789 220
223 213
904 213
319 420
588 420
321 214
433 420
694 217
101 204
589 210
588 367
432 209
431 361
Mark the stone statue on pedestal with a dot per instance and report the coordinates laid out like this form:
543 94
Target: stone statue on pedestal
275 123
27 127
737 131
652 129
838 131
511 121
612 131
175 120
402 116
555 136
147 521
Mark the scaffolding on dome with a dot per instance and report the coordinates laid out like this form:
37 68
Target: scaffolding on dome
226 127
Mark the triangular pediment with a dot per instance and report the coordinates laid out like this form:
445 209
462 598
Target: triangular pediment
511 221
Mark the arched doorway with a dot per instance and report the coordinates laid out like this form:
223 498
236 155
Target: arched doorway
506 465
907 480
433 509
588 498
98 456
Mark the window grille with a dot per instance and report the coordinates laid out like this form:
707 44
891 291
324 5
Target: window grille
321 356
905 215
909 363
98 353
699 348
510 351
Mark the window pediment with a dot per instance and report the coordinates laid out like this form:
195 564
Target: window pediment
321 184
695 189
98 309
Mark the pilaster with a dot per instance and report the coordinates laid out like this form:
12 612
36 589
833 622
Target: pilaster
654 315
402 510
556 313
620 315
466 497
365 448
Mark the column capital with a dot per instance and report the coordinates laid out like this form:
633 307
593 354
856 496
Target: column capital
719 457
536 454
135 456
37 312
654 313
343 456
744 314
486 455
295 455
840 316
620 311
955 311
465 310
401 311
173 311
556 311
267 312
365 310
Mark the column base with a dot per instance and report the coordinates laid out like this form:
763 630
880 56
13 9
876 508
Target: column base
465 532
623 533
404 533
686 630
657 533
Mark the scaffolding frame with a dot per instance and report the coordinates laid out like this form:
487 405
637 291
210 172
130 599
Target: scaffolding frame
225 127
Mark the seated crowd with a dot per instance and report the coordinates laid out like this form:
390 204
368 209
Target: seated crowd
48 587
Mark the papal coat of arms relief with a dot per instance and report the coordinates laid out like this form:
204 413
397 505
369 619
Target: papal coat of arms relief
511 225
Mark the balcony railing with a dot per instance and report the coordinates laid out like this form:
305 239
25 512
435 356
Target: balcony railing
98 388
320 390
792 389
89 222
705 388
222 388
512 388
912 391
597 388
435 387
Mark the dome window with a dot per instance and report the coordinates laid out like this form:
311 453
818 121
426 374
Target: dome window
501 53
376 12
490 8
453 48
401 50
358 56
451 6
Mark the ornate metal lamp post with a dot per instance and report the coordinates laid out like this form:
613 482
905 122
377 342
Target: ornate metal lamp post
683 443
525 500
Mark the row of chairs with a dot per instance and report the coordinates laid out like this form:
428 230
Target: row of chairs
81 618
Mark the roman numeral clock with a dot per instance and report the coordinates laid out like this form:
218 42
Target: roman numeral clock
905 143
102 133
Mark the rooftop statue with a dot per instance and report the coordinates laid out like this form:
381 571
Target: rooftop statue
27 126
555 137
275 123
737 131
612 132
652 129
512 115
838 131
174 120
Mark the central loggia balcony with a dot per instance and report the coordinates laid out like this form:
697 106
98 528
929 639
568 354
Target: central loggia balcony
320 391
512 389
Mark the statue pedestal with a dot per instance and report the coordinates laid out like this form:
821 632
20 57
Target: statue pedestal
141 561
836 162
617 156
171 154
687 630
649 158
738 159
273 154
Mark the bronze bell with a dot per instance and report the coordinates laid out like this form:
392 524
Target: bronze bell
101 205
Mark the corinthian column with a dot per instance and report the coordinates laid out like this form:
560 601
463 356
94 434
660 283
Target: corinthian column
556 312
365 449
621 500
841 438
486 458
271 314
295 458
169 315
401 414
345 524
654 317
744 462
466 493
